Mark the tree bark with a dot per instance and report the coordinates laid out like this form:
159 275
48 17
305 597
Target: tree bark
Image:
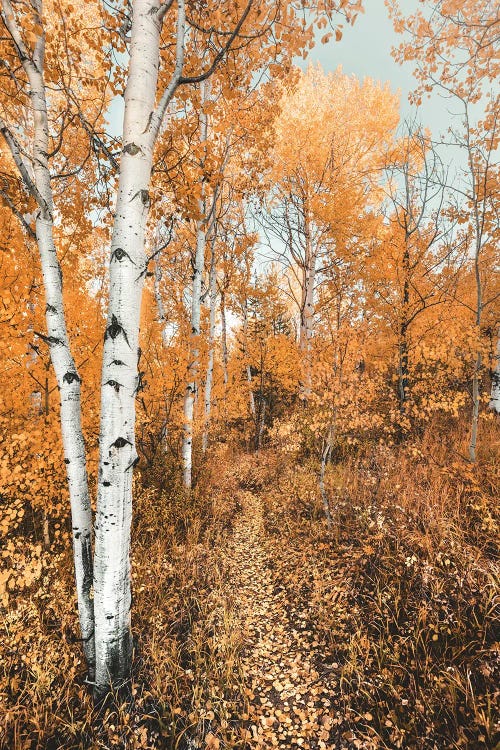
211 346
260 420
403 381
248 369
162 315
307 306
68 379
194 365
495 382
478 229
223 324
475 407
325 455
127 267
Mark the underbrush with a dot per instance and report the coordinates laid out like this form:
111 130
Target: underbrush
403 592
185 690
401 598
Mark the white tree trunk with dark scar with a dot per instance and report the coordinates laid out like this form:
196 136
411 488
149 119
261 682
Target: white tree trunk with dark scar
307 305
248 369
325 457
69 384
194 365
224 352
68 379
212 285
495 382
120 377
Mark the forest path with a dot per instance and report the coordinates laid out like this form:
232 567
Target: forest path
289 704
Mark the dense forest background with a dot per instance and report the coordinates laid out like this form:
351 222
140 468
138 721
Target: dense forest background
250 378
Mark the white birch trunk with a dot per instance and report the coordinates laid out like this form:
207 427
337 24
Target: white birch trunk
211 346
307 317
223 324
248 369
163 321
46 530
307 311
193 365
112 595
495 382
162 315
250 390
325 456
479 359
475 407
68 379
69 384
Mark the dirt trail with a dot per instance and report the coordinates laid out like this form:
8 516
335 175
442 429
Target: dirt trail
290 705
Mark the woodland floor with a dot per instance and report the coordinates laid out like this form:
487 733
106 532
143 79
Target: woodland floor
359 637
256 627
289 700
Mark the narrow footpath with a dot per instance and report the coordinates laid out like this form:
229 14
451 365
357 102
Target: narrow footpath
289 703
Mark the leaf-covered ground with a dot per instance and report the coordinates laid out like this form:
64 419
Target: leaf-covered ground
256 627
289 701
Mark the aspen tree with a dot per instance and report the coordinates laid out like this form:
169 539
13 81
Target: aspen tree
417 244
198 268
143 118
319 180
453 46
35 172
212 293
495 382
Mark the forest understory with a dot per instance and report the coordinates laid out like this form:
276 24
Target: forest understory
255 626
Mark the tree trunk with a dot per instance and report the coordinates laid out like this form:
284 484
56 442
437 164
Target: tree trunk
193 366
46 530
223 324
325 455
479 228
69 384
211 342
307 316
162 315
495 382
307 307
248 369
261 415
112 595
403 380
68 379
475 407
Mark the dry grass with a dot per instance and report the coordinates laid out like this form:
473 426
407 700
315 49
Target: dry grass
186 677
403 592
402 597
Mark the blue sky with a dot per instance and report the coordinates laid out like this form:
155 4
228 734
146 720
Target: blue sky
365 51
